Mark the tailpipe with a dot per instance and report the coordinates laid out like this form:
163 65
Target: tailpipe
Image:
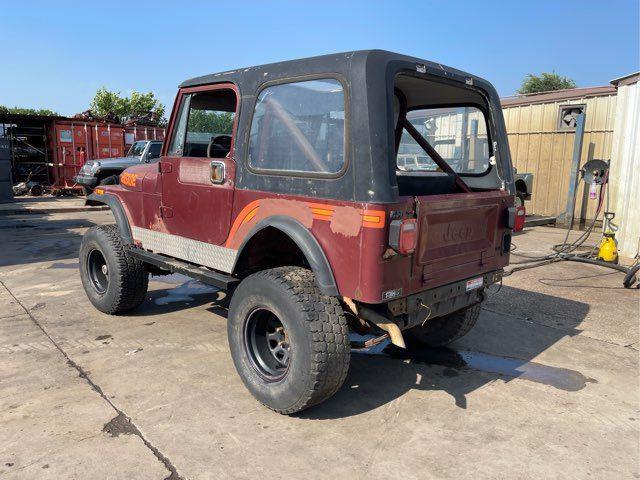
383 323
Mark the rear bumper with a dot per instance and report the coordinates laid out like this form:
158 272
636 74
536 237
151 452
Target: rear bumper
440 301
85 180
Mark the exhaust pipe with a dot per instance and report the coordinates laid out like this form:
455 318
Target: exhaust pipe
384 323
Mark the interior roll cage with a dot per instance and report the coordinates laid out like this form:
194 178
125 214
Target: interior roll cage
404 123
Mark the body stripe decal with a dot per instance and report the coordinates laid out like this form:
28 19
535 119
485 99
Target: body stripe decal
320 211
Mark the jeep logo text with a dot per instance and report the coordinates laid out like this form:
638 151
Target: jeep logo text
457 233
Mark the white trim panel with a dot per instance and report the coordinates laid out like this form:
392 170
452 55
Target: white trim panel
194 251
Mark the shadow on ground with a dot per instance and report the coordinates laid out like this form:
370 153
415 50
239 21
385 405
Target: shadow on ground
502 347
36 238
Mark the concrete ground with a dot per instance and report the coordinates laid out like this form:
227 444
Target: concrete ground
46 204
545 386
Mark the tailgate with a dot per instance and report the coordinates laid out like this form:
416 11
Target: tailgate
459 229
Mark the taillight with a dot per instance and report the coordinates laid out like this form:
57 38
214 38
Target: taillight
518 223
403 235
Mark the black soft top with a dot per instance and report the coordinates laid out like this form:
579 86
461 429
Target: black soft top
375 59
368 76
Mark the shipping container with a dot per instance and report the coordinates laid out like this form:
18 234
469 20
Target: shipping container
51 150
72 146
134 133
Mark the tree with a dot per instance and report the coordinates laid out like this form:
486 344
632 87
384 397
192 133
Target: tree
140 104
27 111
545 82
210 122
107 103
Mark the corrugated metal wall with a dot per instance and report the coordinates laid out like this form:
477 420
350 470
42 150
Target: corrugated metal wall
625 168
539 147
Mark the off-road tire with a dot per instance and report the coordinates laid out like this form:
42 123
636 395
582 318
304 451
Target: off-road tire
128 278
438 332
317 331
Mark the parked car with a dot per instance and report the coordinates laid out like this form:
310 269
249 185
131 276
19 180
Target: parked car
297 208
524 186
106 171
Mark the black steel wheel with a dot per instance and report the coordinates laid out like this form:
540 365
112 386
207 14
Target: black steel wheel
289 342
267 344
98 271
113 280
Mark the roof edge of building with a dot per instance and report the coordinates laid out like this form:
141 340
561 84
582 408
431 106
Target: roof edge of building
626 79
558 95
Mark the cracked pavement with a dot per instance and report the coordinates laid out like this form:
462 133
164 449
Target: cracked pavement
154 395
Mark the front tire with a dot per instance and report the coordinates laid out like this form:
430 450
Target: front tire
289 342
114 281
441 331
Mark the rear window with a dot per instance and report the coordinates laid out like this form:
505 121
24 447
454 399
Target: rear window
299 127
458 134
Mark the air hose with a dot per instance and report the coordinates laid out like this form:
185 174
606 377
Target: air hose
564 251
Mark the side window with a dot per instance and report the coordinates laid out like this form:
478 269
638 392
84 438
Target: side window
176 146
299 127
210 124
205 125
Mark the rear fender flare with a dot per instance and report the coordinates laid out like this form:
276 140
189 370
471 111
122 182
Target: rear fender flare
307 244
118 212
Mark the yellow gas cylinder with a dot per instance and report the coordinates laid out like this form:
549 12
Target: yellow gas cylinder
608 249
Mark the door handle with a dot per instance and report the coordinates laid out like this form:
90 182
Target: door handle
217 172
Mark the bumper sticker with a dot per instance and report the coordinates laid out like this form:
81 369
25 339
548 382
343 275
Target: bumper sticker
474 283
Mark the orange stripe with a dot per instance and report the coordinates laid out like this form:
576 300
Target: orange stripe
373 218
320 211
250 215
250 208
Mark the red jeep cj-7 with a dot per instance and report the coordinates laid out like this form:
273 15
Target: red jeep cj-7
364 191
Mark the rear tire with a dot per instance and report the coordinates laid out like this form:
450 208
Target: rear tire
441 331
289 342
114 281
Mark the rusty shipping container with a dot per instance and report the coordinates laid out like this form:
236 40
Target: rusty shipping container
75 142
133 133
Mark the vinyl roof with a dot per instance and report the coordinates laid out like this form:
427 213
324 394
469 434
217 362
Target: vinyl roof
325 63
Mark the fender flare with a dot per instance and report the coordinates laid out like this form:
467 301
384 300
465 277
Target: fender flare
307 244
117 209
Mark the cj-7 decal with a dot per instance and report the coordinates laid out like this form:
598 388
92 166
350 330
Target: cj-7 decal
344 220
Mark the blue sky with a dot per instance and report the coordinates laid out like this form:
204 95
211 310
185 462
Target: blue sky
56 54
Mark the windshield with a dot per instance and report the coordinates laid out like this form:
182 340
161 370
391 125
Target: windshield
136 149
458 134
